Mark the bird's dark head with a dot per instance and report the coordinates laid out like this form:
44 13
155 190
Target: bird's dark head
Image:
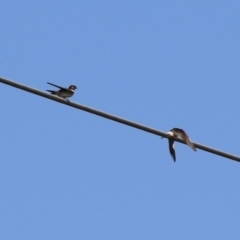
72 87
176 130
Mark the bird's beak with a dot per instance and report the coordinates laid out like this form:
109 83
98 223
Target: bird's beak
168 133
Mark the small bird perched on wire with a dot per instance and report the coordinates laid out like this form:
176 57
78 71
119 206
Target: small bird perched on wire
178 133
63 92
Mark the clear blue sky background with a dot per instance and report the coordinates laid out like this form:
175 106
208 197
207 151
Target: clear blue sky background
68 174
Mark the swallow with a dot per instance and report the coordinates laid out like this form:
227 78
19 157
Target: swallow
178 133
63 92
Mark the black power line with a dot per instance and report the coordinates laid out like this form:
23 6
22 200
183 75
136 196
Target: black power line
114 118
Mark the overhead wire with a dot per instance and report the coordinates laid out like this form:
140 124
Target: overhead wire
113 118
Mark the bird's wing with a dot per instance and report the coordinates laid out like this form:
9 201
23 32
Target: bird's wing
57 86
186 139
171 148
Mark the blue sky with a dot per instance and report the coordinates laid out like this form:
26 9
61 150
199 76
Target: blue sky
68 174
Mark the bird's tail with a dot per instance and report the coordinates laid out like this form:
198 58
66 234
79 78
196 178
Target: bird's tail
190 144
52 92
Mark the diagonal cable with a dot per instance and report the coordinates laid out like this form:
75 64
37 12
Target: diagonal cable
112 117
